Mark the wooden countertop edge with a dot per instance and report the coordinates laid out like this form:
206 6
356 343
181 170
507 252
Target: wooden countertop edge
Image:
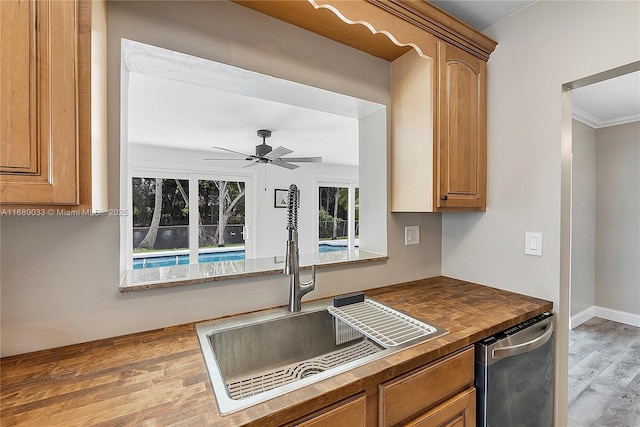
414 298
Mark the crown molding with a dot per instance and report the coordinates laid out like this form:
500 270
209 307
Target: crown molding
596 123
393 18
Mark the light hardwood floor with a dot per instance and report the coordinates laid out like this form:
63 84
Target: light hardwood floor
604 374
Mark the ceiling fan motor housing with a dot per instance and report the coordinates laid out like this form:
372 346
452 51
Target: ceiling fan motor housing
263 149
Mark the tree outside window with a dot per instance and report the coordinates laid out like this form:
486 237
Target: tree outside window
221 208
160 214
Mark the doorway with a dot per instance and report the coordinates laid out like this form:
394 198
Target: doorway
604 162
600 275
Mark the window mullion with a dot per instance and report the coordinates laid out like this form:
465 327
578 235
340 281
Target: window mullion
129 222
193 220
351 214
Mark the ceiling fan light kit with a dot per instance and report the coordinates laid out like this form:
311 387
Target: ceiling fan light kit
265 154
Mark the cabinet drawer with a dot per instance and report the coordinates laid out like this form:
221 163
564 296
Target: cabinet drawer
459 411
415 392
348 412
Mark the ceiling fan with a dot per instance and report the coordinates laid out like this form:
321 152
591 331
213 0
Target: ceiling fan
265 154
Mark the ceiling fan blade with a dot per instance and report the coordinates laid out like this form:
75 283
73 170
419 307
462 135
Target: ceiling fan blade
234 152
223 159
302 159
278 152
248 165
285 165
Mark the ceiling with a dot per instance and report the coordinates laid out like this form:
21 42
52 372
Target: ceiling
175 114
481 14
180 101
608 103
611 102
171 110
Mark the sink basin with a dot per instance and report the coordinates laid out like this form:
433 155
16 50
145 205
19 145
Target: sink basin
255 357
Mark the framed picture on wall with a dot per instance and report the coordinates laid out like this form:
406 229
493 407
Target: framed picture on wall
280 198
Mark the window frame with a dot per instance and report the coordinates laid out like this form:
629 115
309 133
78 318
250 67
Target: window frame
193 177
351 185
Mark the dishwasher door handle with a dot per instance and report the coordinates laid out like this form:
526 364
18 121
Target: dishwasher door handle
514 350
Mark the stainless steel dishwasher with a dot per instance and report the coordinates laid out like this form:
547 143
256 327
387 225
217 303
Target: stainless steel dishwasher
514 376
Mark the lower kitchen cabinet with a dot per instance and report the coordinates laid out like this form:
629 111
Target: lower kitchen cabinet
459 411
439 394
348 412
431 395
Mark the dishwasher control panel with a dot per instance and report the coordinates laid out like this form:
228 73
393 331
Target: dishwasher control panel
515 329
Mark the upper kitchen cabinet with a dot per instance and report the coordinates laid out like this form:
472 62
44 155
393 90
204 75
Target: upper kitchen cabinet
461 141
439 131
438 92
45 103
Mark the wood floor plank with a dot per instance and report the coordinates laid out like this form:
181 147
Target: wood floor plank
589 405
585 372
623 369
604 375
623 411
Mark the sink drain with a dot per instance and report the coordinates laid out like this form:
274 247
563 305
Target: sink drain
241 388
311 370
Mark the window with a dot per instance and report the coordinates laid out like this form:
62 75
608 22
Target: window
221 220
171 228
160 222
161 135
338 216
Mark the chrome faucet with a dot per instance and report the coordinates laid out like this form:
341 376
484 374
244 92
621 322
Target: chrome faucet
292 258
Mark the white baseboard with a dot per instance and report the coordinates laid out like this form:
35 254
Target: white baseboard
618 316
579 318
604 313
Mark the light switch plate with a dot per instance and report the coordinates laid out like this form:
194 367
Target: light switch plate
533 243
412 235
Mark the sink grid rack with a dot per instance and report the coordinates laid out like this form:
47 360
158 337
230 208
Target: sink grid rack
381 324
241 388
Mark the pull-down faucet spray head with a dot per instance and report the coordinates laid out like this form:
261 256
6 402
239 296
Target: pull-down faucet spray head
291 256
292 208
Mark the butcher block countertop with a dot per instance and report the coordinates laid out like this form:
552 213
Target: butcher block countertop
159 377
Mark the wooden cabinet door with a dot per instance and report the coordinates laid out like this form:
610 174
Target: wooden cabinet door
38 102
417 391
459 411
462 130
350 412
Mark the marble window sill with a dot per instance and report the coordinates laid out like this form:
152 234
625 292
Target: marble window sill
190 274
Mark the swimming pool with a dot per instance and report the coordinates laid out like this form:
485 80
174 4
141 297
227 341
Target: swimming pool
330 248
181 259
168 261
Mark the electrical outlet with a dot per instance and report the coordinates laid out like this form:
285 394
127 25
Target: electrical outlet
412 235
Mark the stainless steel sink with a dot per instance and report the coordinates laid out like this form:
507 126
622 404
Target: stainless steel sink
255 357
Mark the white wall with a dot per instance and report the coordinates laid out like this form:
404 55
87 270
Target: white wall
539 49
583 254
59 276
618 219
